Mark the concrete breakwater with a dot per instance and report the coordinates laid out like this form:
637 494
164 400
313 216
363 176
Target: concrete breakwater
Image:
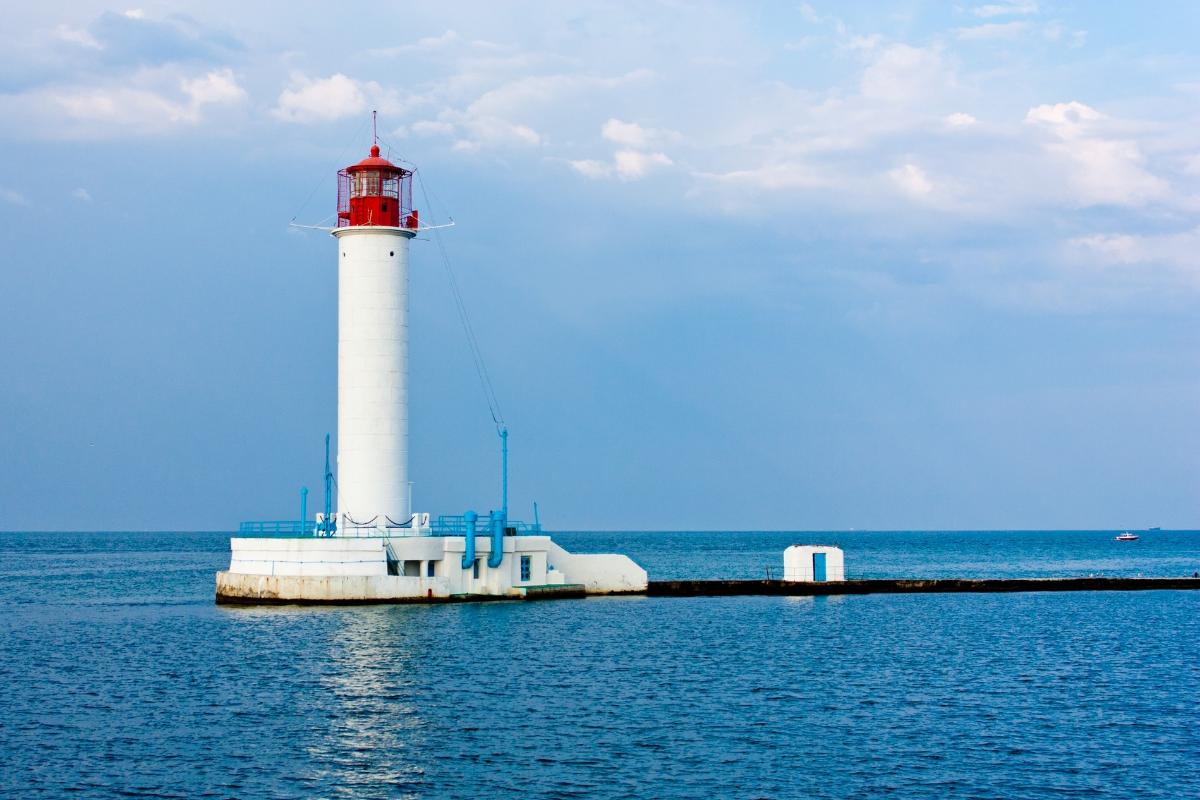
777 588
912 586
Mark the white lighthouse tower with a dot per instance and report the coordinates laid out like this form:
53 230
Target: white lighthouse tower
374 548
376 220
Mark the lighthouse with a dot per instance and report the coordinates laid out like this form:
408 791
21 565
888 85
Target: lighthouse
374 548
376 222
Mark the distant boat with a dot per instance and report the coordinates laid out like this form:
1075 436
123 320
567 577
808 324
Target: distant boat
1153 529
1127 537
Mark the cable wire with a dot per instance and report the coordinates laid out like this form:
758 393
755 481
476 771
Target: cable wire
485 380
340 160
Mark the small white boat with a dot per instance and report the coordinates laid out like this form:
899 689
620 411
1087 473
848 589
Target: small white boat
1127 537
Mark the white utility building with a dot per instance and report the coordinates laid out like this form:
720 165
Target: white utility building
814 563
374 547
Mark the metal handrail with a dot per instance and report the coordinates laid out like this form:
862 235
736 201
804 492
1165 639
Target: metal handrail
456 525
444 525
285 527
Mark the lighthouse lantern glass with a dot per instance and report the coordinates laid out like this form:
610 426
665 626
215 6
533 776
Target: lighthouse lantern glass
375 196
366 183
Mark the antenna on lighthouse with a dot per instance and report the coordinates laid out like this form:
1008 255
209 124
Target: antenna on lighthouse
374 128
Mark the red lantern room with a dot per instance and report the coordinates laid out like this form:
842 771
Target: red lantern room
375 192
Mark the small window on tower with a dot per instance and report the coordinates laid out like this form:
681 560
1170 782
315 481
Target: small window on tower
475 569
526 568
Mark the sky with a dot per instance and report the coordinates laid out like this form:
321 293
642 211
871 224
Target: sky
798 266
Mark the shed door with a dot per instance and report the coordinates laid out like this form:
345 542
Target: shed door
818 566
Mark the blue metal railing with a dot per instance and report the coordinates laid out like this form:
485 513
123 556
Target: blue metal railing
444 525
286 527
456 525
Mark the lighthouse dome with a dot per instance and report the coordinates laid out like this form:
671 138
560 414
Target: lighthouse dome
374 161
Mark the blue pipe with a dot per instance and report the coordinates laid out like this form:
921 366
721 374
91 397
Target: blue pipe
504 472
303 508
328 526
497 555
468 559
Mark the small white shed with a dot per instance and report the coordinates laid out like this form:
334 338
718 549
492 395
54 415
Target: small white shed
814 563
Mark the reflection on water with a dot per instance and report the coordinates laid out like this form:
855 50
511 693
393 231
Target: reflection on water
374 725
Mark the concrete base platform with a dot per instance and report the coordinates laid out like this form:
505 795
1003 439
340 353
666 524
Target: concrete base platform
236 588
416 569
244 590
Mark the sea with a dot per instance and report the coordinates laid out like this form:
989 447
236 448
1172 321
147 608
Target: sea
120 677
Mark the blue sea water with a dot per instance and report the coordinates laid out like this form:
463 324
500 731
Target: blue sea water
120 677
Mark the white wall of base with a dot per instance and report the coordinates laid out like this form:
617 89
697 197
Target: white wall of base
357 569
325 556
598 572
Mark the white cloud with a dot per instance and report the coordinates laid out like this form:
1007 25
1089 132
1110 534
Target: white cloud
631 134
592 169
427 44
148 108
488 131
1099 169
810 15
436 42
432 127
627 133
1067 120
778 176
510 113
627 165
911 180
473 133
146 101
135 13
869 42
1129 265
905 74
993 30
539 92
77 36
214 88
120 106
13 197
321 100
959 119
82 194
632 164
634 159
1011 7
1180 250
